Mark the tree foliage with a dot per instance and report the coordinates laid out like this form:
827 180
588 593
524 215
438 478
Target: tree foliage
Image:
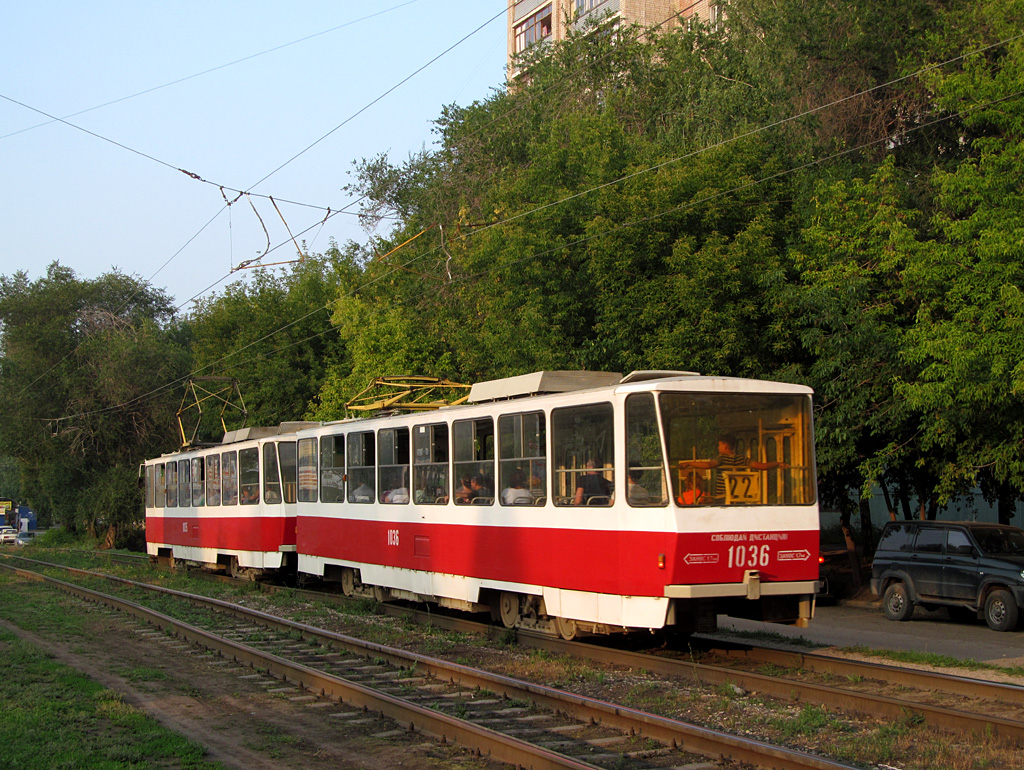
827 194
819 193
83 367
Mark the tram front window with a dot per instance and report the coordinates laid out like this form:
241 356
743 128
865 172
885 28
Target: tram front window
739 449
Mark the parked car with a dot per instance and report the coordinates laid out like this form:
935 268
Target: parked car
24 538
973 569
8 535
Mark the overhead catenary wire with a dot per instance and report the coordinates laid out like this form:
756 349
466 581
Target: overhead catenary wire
227 187
428 292
213 69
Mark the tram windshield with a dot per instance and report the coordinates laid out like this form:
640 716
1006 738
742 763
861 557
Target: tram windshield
739 449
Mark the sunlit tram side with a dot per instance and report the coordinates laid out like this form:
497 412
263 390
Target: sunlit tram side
567 502
231 505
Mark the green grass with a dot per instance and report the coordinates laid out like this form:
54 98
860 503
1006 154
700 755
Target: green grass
935 660
54 717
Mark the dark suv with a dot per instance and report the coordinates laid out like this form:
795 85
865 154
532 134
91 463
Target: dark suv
971 568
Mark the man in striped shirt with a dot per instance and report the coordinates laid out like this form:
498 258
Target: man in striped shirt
727 459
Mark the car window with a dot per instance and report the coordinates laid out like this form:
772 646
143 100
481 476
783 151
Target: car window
929 540
958 543
896 537
996 541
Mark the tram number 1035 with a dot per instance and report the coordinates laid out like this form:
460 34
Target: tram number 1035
749 555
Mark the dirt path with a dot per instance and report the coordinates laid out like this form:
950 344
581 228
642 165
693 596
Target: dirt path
243 723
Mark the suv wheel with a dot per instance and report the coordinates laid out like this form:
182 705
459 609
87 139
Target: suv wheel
1001 610
896 602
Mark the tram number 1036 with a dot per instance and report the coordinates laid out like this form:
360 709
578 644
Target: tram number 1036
749 555
392 537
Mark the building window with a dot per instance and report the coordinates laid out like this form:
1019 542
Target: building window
533 29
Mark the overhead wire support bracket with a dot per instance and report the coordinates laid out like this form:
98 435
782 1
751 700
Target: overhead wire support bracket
410 393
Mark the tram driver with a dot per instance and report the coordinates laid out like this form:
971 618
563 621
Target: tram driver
727 459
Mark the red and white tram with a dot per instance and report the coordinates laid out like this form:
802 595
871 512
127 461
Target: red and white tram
567 502
231 505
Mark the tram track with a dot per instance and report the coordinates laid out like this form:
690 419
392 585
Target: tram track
848 684
522 723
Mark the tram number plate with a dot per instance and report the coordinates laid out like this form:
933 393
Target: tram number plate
392 537
749 555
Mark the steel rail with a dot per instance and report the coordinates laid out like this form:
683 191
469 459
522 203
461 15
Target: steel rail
918 679
951 719
415 718
670 732
837 697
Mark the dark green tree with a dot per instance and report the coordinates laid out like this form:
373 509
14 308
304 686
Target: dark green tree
85 369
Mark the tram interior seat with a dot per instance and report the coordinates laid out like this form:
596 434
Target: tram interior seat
599 500
482 500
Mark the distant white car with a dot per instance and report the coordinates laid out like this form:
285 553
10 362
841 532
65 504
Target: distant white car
8 535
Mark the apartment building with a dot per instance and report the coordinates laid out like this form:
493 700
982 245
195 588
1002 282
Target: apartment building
537 21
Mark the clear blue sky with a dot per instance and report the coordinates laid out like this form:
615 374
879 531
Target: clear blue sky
70 196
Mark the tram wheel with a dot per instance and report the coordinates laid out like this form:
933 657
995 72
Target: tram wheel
348 581
508 609
566 628
381 594
239 572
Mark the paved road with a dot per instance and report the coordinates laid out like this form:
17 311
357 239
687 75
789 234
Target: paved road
862 623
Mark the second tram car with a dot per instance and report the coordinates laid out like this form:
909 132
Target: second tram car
567 502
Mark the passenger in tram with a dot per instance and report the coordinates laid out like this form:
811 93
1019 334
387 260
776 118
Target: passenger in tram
465 492
592 484
397 495
361 494
635 493
693 491
726 460
480 489
516 493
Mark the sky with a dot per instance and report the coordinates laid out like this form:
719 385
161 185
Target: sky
230 92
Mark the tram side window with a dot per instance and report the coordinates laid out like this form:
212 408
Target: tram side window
739 448
159 486
213 480
522 459
149 481
645 472
229 478
361 467
249 475
172 484
393 464
184 484
473 451
583 445
332 469
286 456
198 481
306 470
430 464
271 478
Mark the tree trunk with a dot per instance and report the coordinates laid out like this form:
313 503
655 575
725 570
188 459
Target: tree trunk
1006 505
851 548
867 531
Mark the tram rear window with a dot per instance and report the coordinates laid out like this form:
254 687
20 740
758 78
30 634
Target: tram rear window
739 449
